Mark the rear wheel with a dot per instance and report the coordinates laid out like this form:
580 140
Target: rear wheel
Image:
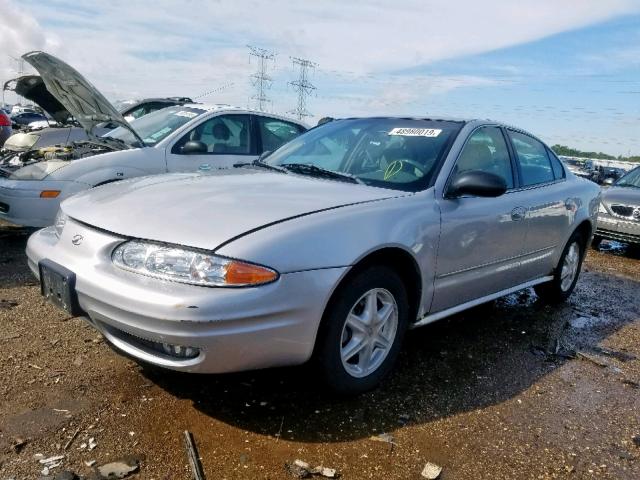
362 330
566 274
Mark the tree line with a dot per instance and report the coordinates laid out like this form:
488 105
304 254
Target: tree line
572 152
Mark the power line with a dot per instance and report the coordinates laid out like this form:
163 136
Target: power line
215 90
302 86
260 80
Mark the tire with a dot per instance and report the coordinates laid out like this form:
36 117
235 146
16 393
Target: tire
560 288
595 243
351 356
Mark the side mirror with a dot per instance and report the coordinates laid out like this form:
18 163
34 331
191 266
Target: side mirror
194 148
478 184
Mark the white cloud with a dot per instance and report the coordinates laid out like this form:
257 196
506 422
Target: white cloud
131 49
19 32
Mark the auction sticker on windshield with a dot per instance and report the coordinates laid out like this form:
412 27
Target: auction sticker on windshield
416 132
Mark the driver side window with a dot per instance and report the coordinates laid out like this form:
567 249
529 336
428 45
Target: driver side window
486 151
222 135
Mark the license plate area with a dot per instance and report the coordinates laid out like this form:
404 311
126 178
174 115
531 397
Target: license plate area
58 285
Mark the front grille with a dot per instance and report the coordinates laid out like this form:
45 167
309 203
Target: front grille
620 236
4 208
622 210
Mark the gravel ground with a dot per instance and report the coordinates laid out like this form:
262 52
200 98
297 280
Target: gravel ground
496 392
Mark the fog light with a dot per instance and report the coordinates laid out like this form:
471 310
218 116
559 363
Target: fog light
180 351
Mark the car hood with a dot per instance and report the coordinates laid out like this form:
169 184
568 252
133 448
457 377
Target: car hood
208 210
622 195
32 88
87 105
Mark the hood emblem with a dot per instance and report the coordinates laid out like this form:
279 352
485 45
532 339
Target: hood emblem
77 239
636 213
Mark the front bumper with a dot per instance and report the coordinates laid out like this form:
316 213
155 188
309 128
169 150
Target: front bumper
234 328
20 201
616 228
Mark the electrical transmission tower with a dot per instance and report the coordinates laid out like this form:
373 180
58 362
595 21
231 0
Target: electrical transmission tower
260 80
302 86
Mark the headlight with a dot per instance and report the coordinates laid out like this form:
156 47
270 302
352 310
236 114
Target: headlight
59 223
189 266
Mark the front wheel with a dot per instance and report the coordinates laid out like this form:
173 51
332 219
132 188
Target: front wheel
362 330
566 274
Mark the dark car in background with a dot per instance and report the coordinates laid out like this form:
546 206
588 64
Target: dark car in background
25 118
606 175
5 127
619 211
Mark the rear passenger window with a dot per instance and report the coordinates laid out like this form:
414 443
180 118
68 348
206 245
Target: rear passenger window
275 132
535 165
556 164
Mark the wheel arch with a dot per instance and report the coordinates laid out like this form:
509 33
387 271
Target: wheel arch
396 258
585 229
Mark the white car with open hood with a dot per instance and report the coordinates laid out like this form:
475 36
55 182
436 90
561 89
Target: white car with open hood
182 138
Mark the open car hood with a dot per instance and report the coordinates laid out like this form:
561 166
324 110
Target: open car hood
32 88
87 105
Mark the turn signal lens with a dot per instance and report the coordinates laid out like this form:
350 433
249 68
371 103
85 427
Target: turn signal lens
49 193
239 273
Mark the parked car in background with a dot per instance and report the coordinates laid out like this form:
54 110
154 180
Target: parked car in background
183 138
62 130
329 249
619 211
577 167
606 175
140 108
17 109
25 118
5 127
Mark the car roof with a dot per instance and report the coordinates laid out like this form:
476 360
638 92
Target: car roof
223 107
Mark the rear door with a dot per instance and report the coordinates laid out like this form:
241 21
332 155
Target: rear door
549 210
480 238
228 137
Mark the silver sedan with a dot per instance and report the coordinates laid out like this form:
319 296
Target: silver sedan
328 250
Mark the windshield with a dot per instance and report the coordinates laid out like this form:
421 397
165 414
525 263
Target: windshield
631 179
401 154
157 125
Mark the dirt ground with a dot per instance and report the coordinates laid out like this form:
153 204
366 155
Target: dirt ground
513 389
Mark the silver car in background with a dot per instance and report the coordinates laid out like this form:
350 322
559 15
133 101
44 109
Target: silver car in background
329 249
619 212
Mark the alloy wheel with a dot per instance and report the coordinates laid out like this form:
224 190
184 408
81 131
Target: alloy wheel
369 332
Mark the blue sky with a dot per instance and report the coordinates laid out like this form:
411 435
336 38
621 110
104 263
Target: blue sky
568 71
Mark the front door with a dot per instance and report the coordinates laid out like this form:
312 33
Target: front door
481 239
227 138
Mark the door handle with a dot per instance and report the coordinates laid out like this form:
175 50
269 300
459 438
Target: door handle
518 214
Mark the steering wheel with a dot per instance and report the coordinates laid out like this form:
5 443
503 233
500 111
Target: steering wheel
405 163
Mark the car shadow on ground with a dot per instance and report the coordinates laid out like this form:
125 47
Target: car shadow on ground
481 357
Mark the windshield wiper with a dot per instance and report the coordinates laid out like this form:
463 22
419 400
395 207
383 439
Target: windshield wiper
315 171
259 163
625 184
